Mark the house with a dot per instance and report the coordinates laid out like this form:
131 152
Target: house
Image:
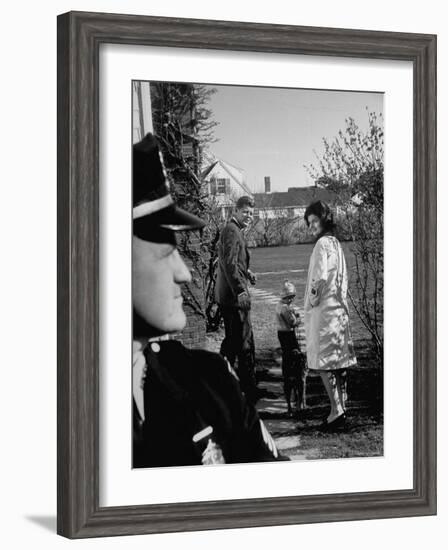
279 216
224 181
288 204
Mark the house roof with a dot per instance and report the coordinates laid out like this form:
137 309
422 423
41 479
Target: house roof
235 173
295 196
208 169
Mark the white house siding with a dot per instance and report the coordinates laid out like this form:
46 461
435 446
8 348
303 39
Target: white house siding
280 212
226 183
141 110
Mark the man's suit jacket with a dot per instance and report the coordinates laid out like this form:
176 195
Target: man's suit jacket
233 265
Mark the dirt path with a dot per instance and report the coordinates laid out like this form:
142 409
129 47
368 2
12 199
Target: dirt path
286 430
272 405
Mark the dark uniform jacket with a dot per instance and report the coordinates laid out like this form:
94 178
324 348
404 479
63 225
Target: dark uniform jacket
186 391
233 265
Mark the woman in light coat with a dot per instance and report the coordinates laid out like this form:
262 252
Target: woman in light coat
328 339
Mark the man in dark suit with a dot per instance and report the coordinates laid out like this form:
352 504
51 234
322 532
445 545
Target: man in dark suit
187 404
232 295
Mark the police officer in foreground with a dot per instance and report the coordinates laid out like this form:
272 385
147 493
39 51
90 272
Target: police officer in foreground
188 406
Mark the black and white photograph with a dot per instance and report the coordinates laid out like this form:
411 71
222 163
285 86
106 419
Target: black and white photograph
257 274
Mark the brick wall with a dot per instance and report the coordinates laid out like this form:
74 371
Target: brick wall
193 335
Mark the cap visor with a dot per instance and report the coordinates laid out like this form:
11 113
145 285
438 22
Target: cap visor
176 219
159 225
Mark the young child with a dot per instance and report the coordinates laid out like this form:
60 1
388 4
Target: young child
293 360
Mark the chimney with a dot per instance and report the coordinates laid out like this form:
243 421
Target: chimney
267 184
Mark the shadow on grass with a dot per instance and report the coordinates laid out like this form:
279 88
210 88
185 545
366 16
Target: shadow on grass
365 382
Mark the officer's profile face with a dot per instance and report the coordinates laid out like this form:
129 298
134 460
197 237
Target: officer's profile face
157 272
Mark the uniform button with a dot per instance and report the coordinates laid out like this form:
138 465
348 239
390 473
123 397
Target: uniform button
155 347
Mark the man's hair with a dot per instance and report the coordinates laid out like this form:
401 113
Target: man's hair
321 210
244 201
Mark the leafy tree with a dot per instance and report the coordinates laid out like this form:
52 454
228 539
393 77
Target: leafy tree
352 166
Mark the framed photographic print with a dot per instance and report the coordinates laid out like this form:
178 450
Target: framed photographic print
246 274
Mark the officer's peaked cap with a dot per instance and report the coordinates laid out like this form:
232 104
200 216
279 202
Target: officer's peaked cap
153 206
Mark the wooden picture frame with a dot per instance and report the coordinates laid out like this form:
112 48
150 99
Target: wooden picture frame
79 38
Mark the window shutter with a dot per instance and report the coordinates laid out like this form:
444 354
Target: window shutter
213 187
228 187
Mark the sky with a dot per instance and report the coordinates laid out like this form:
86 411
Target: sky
275 131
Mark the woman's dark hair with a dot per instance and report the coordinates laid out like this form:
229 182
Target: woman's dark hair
324 213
